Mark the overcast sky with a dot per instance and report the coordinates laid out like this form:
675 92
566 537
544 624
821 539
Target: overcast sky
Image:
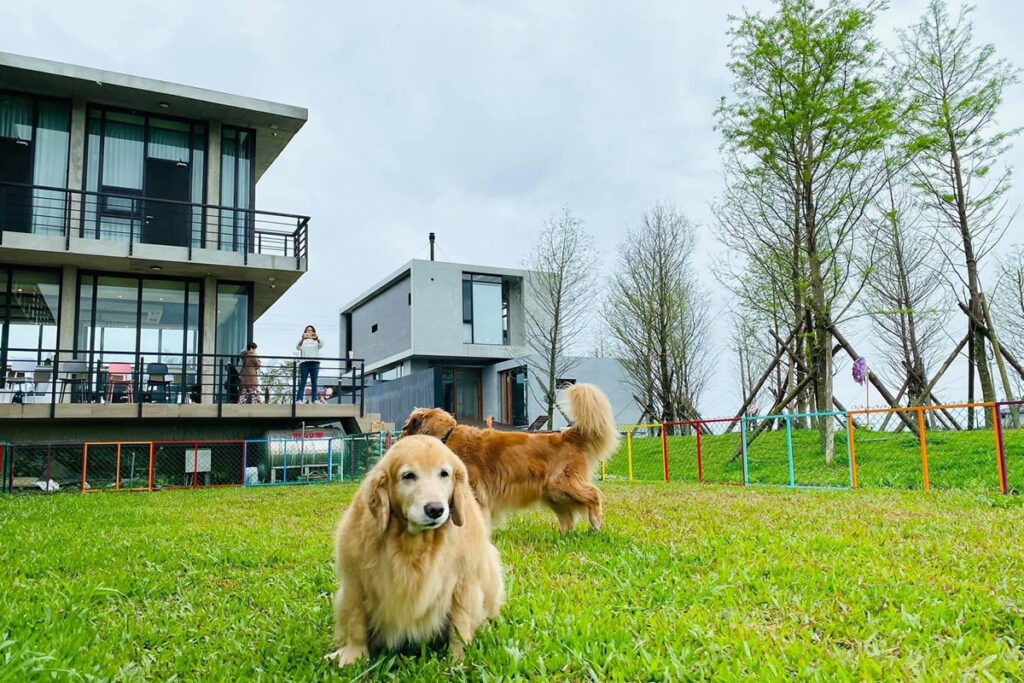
475 120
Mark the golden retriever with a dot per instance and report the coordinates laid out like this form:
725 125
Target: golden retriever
414 556
512 470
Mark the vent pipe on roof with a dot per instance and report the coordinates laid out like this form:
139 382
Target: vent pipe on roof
431 246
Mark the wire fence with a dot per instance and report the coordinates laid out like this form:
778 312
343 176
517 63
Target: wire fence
977 447
156 465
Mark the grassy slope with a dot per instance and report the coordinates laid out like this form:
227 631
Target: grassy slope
686 582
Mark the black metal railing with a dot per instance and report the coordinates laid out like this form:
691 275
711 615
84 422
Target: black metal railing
63 376
137 219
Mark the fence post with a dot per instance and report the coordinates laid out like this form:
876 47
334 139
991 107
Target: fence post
629 451
245 463
789 448
924 448
330 461
85 464
743 448
117 473
1000 449
700 453
195 465
664 447
152 463
853 451
284 462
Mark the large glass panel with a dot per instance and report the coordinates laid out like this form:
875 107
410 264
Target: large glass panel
169 140
51 167
117 325
31 316
162 334
15 117
123 151
237 155
198 185
487 323
233 313
467 394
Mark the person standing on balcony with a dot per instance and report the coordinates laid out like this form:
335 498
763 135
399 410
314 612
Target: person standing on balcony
250 375
309 366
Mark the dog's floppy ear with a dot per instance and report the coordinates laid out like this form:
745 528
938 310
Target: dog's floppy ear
412 425
462 494
378 498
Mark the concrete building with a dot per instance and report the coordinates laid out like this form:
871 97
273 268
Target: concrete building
133 260
452 335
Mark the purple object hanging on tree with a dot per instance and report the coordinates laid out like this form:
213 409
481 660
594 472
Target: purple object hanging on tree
860 370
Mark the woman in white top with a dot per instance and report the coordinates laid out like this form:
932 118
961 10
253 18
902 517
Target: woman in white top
309 367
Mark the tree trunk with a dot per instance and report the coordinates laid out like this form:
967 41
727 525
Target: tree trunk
976 304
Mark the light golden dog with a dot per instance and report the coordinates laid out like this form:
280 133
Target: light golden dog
414 556
512 470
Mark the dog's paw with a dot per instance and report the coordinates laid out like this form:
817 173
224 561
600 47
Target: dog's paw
347 655
458 652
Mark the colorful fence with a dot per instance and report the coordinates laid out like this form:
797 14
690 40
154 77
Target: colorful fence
970 446
154 465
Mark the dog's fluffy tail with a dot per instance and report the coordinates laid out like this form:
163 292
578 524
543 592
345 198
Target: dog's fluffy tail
593 421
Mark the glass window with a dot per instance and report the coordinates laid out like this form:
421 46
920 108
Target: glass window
156 319
29 312
140 156
34 138
484 309
53 136
15 117
237 151
234 314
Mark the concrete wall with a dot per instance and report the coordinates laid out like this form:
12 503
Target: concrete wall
391 313
437 312
606 373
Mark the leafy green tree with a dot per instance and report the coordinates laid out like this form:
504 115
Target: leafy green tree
809 114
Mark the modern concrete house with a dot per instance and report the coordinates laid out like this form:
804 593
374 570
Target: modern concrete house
452 335
134 262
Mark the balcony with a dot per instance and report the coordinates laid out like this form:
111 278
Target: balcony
82 384
37 217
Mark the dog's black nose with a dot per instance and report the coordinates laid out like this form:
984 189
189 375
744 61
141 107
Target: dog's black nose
434 510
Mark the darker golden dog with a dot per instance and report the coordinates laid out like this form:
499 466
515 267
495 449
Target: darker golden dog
512 470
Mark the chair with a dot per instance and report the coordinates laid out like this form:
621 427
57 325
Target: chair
158 376
16 377
75 375
120 375
42 376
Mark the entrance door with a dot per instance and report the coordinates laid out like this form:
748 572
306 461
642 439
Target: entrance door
167 222
15 167
513 396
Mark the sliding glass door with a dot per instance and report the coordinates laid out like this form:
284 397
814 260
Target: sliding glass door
35 135
149 170
150 323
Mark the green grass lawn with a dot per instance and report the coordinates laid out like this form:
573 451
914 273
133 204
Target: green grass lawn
686 582
963 460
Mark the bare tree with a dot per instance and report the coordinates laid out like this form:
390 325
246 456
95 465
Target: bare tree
658 317
903 291
559 295
1009 300
956 88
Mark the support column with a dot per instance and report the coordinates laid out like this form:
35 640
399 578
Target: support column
68 307
213 186
207 364
76 165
